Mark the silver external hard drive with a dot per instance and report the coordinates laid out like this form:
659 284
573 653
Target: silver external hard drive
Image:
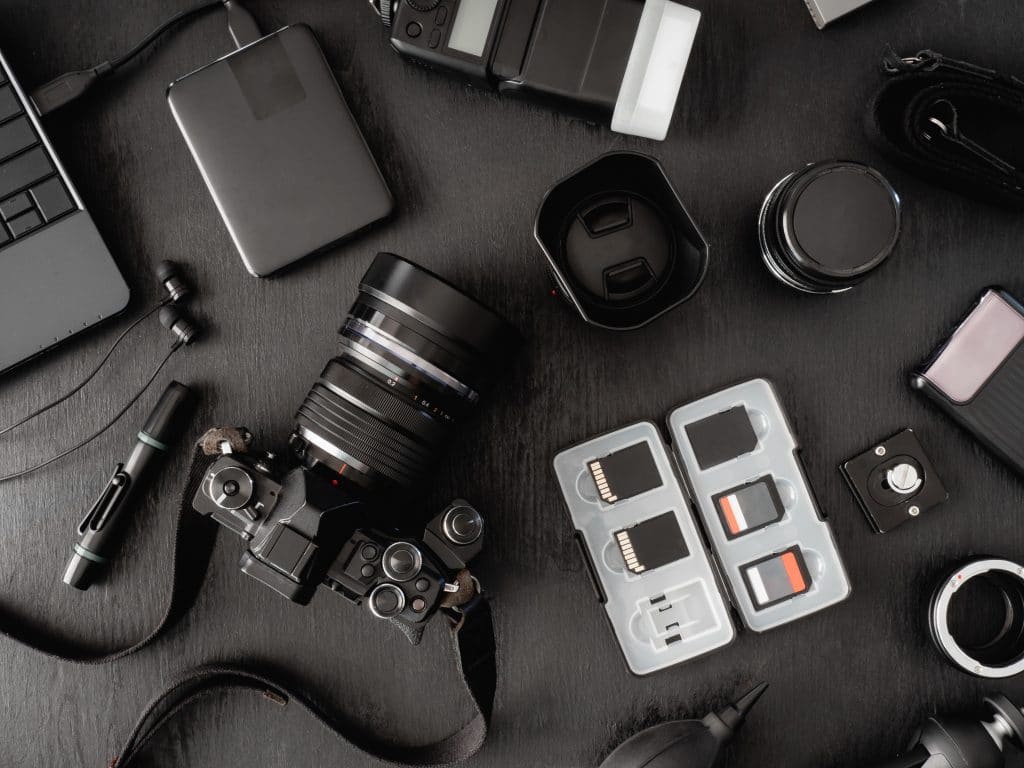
279 150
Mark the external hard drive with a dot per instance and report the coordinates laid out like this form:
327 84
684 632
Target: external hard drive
279 150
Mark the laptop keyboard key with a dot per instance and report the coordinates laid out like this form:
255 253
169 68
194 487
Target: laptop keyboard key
9 105
52 199
23 170
4 237
24 223
16 136
17 204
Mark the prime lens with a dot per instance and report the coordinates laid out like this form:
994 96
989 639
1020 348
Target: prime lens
416 355
826 227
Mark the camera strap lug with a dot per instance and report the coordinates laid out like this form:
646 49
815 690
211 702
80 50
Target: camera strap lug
917 116
221 441
456 602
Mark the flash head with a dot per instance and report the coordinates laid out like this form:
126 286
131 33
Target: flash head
620 62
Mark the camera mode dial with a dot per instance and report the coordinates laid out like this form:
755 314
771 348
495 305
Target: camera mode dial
423 5
402 561
231 488
462 525
387 601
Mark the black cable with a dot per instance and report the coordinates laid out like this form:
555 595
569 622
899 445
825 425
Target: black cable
88 378
149 39
21 473
70 86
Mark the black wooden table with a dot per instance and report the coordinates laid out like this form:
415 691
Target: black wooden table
765 93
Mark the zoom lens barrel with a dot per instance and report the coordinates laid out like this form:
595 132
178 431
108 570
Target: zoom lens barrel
416 354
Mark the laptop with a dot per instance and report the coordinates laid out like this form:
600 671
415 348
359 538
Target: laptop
57 277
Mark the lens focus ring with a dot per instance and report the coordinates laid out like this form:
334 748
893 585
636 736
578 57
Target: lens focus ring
416 352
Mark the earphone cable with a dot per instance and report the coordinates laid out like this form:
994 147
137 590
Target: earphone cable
21 473
89 377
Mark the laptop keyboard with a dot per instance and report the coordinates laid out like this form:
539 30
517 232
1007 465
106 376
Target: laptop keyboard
32 193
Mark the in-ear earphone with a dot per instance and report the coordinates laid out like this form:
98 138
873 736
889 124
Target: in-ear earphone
178 322
172 316
170 276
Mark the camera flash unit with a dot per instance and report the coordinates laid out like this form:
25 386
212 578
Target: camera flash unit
620 63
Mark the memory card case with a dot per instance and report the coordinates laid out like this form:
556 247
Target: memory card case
762 550
977 375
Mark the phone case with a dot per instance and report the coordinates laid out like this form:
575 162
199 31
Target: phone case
977 375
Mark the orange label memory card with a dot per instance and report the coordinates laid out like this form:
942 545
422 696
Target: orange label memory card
777 578
749 507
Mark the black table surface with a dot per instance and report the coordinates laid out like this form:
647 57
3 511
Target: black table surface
765 93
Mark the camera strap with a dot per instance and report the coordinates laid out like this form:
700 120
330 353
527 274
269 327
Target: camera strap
954 123
194 538
473 638
470 620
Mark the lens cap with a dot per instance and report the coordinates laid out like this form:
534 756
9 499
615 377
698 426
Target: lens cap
825 228
619 242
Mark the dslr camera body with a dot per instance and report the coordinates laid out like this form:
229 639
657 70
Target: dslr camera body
291 526
416 353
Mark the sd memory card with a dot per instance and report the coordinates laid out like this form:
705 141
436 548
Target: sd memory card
652 543
776 578
625 473
749 507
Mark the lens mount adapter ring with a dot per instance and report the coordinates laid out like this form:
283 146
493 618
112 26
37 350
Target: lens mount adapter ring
1004 655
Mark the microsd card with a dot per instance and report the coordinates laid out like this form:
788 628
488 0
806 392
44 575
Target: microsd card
625 473
749 507
777 578
652 543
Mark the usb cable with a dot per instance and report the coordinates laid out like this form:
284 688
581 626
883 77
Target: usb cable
72 85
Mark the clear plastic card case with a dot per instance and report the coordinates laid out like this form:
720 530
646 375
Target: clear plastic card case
660 589
776 551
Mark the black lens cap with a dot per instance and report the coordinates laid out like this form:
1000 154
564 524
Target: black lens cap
826 227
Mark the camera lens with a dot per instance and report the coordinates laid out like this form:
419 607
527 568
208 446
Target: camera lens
416 354
826 227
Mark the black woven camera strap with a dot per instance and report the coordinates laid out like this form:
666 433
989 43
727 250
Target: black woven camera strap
473 638
194 538
954 123
472 631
